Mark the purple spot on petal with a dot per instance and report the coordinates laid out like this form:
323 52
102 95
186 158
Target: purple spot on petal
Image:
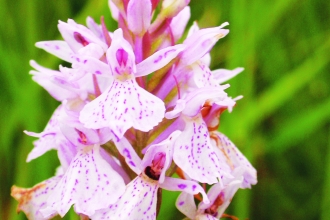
158 59
182 186
181 203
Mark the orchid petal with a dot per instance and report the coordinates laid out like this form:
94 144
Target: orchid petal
186 204
58 48
94 27
235 159
130 155
89 183
194 154
93 65
139 16
77 36
179 107
44 77
188 186
201 42
222 75
196 99
179 22
138 202
47 138
32 200
114 10
158 60
122 106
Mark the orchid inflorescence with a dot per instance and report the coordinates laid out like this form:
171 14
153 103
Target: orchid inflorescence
136 108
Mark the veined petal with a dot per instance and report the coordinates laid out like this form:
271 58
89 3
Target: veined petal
222 75
179 107
130 155
114 10
235 159
138 202
32 200
92 65
158 60
188 186
179 22
95 28
139 16
47 138
194 154
201 42
45 78
196 99
186 204
122 106
58 48
89 183
78 36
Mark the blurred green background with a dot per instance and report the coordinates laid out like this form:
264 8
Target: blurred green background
282 124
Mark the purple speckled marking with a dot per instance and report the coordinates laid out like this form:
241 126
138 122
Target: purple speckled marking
127 153
158 59
167 52
181 203
182 186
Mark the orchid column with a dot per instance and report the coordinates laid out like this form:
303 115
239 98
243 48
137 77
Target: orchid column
136 107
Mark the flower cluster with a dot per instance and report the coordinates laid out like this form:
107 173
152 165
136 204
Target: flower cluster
136 108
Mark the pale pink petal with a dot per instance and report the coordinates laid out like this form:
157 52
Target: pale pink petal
95 28
201 42
47 138
93 65
179 22
158 60
138 202
179 107
194 154
235 159
89 183
188 186
45 78
77 36
32 200
222 75
58 48
130 155
115 164
114 10
186 204
139 16
196 99
122 106
92 50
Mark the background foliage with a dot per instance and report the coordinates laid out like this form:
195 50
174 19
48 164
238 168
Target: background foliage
282 124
